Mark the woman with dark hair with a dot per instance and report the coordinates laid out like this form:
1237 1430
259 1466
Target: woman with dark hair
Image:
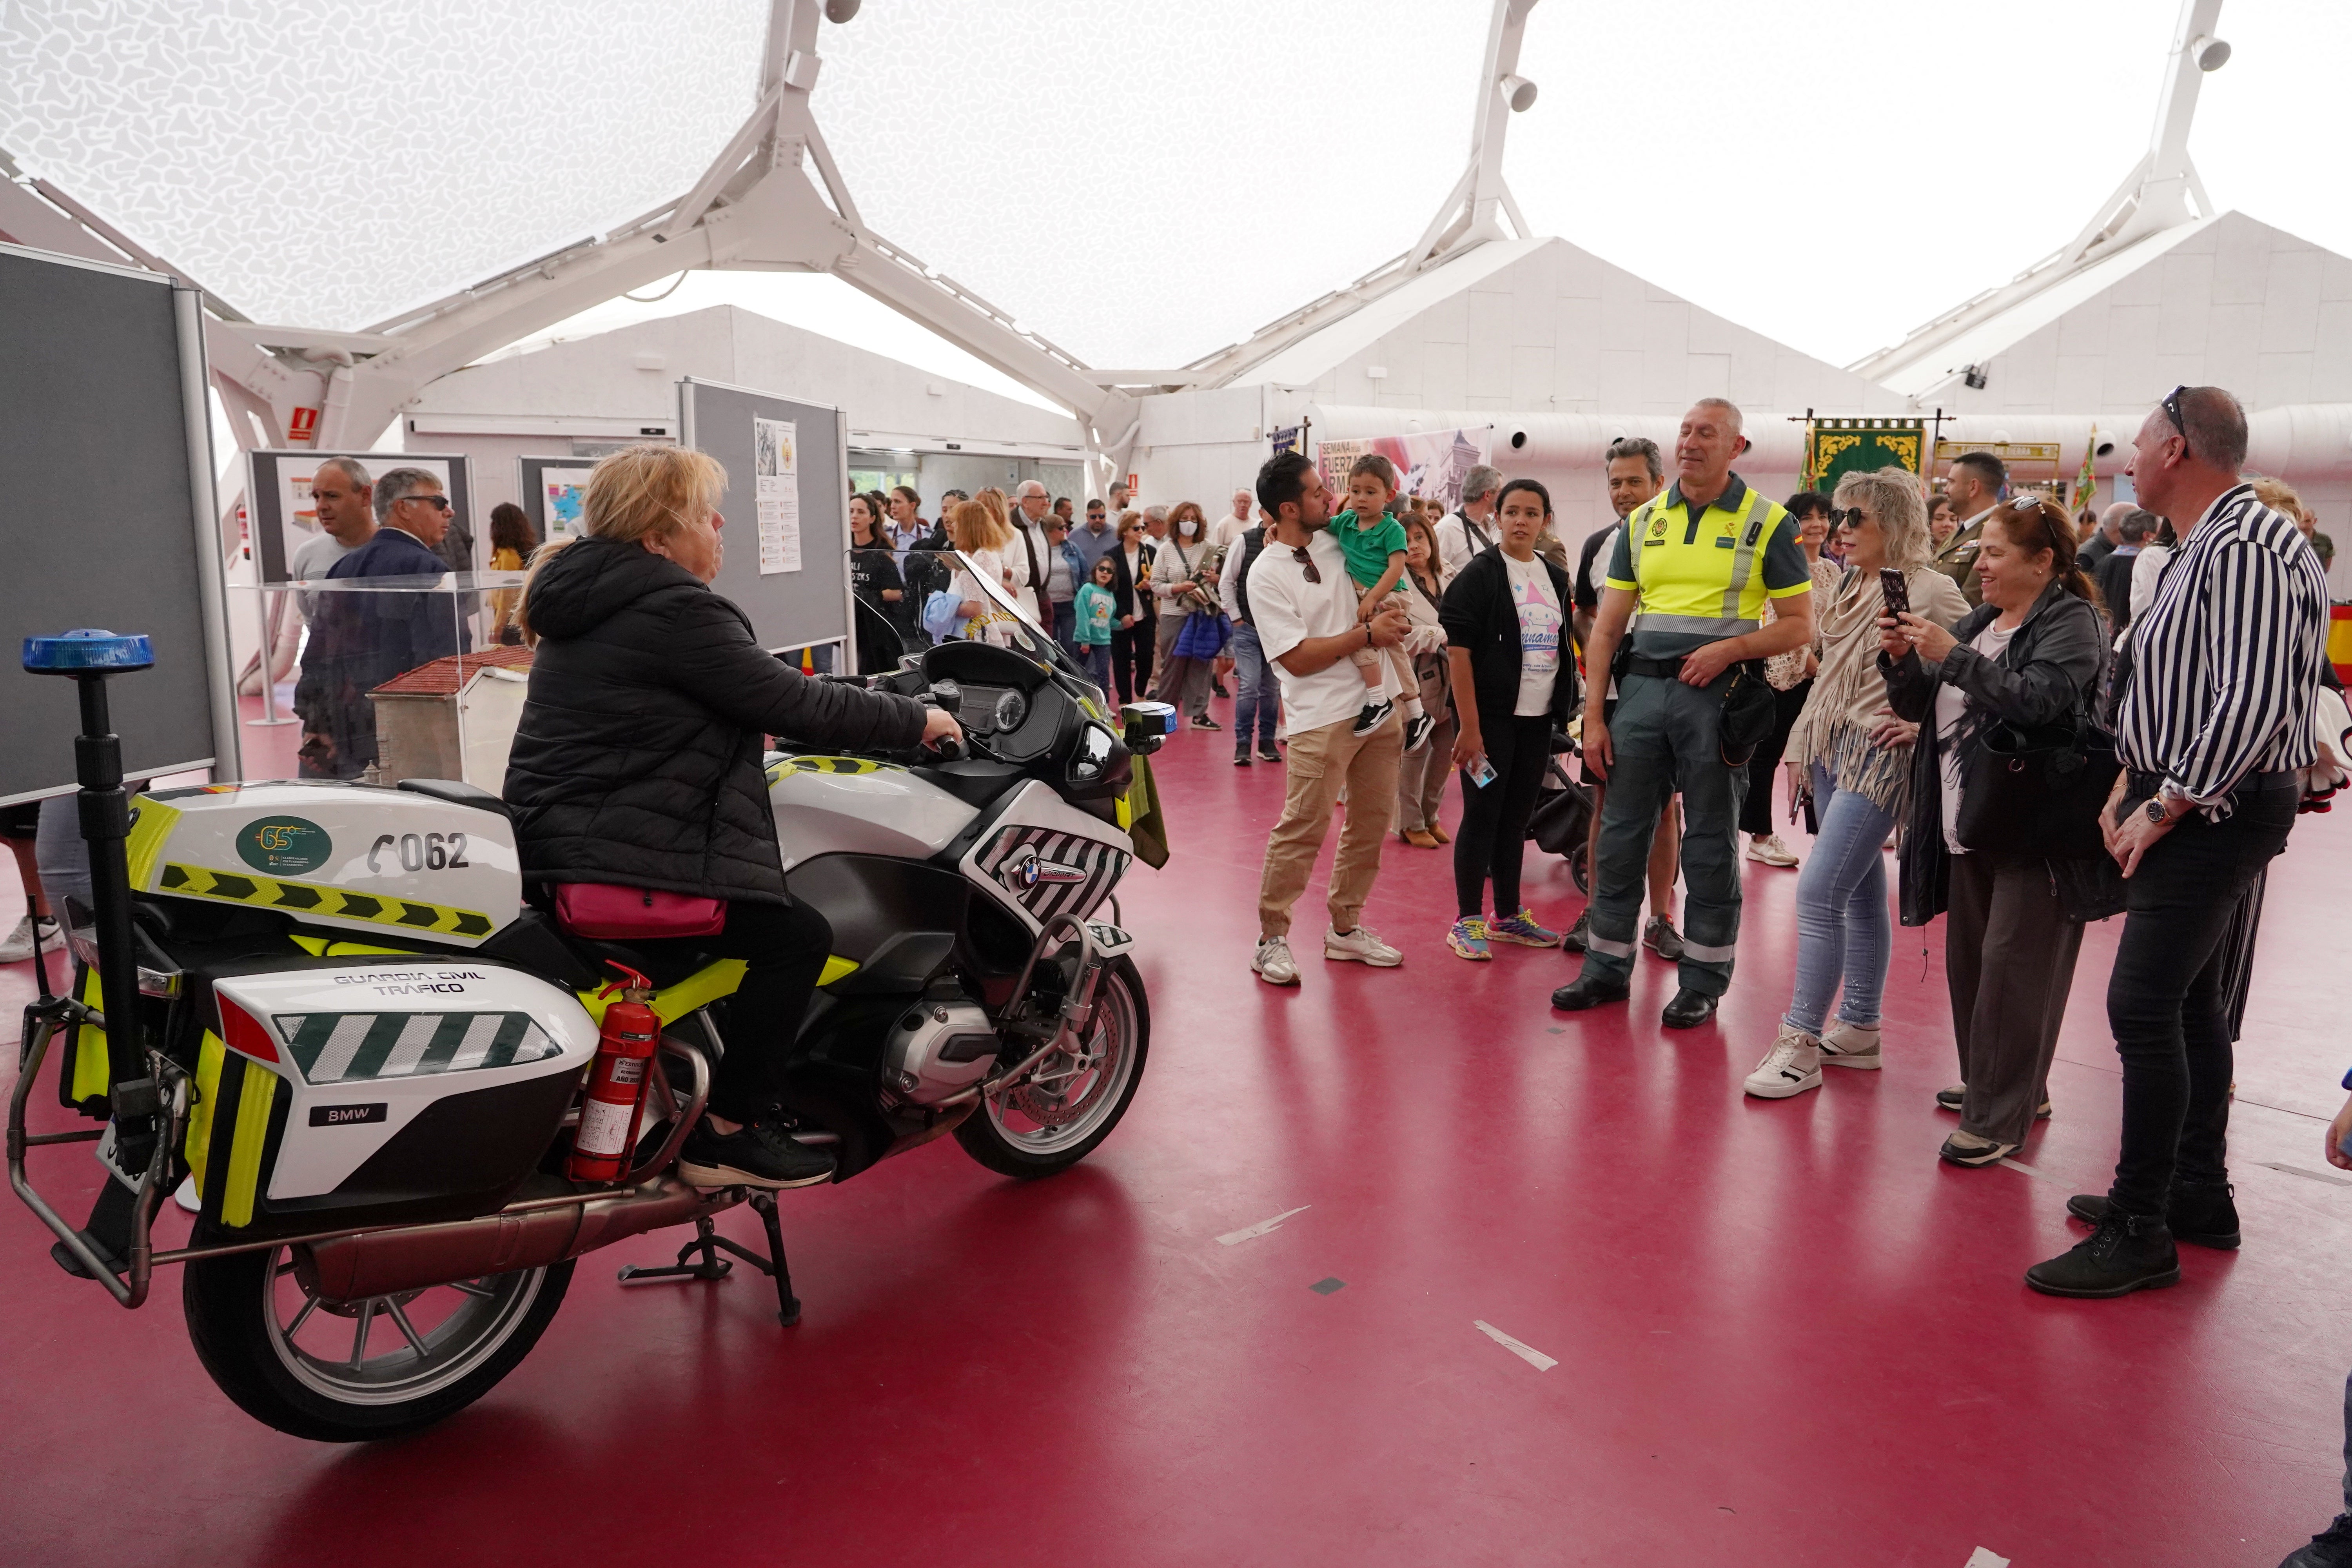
1420 775
1790 676
1504 615
2034 654
1132 644
512 540
875 579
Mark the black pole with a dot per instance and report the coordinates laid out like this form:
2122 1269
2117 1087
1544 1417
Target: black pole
105 824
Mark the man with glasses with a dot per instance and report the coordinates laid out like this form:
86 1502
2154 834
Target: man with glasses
1304 609
1031 551
2212 719
360 639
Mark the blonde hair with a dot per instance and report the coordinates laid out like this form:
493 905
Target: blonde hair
1896 500
998 507
637 493
973 525
2280 497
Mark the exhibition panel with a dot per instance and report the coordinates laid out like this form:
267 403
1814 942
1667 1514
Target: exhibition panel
786 465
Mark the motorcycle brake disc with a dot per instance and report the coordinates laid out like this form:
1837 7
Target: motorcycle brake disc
1050 1108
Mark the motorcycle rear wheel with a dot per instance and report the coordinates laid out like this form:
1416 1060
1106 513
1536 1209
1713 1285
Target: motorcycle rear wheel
280 1354
1088 1095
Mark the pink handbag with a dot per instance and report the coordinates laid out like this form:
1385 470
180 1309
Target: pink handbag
606 911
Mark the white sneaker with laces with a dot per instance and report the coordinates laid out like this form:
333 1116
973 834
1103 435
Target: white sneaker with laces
1362 945
1792 1066
1273 963
1771 851
1848 1044
17 945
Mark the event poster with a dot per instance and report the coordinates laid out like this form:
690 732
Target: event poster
563 490
1432 464
775 469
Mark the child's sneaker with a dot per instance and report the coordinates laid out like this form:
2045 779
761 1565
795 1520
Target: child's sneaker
1468 939
1375 714
1416 731
1523 930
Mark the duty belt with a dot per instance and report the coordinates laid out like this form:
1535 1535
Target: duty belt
1671 668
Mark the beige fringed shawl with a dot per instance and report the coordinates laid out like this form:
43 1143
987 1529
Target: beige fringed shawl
1843 707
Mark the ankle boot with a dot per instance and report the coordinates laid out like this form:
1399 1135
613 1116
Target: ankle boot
2203 1214
2126 1253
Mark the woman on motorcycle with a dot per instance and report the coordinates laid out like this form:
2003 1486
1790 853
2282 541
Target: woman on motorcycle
638 762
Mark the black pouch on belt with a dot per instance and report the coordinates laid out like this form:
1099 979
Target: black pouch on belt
1748 714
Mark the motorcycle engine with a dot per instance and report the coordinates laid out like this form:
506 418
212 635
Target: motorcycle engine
936 1048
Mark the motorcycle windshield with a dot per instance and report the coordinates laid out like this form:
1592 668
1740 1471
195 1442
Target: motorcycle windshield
932 587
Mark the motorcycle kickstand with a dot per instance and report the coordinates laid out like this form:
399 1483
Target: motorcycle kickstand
709 1243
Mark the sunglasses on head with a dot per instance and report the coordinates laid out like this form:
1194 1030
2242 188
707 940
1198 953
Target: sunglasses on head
2172 412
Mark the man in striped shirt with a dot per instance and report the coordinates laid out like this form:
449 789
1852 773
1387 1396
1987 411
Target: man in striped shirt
2213 720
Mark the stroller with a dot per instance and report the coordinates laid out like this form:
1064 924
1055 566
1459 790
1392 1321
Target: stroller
1561 822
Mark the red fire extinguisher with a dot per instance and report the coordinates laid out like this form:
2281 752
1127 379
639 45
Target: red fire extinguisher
616 1082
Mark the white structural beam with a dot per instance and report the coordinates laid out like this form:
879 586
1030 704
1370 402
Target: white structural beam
2160 193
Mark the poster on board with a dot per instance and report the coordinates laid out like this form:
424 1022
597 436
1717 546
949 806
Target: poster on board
1430 464
560 493
776 471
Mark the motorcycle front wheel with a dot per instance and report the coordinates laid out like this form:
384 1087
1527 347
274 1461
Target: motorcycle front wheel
349 1371
1054 1119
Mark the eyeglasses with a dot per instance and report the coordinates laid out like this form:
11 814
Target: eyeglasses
1305 562
438 503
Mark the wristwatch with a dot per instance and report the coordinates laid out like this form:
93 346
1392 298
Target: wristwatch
2155 811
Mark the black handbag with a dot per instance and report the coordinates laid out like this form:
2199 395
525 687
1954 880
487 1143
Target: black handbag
2036 789
1750 709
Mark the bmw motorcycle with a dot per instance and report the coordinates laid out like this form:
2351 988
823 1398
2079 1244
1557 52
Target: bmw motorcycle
357 1043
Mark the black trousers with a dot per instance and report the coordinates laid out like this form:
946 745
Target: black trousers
1491 839
1130 657
2167 997
783 947
1756 811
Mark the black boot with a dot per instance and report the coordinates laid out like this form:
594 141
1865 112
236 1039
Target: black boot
2204 1214
1688 1010
2126 1253
2331 1548
1589 991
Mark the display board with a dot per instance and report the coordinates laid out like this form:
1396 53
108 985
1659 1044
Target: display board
787 508
110 515
551 490
277 492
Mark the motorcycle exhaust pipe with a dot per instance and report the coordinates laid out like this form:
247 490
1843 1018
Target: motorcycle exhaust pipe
412 1258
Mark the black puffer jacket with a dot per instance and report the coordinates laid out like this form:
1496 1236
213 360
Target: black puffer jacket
2050 668
637 758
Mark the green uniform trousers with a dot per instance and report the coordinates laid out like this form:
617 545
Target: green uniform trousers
1664 738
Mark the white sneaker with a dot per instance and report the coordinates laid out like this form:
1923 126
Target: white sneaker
1363 945
1792 1066
1771 851
1850 1045
1273 963
18 946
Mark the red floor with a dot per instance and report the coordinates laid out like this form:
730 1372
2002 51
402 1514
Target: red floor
1785 1333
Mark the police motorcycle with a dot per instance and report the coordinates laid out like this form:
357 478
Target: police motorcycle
404 1100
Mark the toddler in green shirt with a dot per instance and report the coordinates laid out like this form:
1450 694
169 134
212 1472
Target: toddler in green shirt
1373 542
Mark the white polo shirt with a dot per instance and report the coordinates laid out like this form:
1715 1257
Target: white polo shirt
1288 610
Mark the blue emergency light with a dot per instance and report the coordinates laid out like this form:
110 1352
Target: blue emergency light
89 650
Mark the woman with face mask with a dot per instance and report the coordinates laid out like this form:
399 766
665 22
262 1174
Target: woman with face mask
1179 556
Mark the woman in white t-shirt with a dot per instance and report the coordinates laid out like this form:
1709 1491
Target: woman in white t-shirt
1505 616
981 534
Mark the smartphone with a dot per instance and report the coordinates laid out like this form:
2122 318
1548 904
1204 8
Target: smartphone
1482 773
1896 591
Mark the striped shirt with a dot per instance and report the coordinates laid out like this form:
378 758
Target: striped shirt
2226 659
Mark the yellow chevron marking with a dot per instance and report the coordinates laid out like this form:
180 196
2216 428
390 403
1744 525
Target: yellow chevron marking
315 900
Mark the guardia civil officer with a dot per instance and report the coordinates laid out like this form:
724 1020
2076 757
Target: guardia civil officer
1697 562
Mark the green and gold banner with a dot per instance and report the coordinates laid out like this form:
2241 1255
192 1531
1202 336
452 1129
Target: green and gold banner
1835 448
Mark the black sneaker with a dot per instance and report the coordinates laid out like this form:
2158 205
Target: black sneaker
1661 938
1241 759
1375 714
2126 1253
2204 1215
2331 1548
1416 731
1217 688
1267 754
1951 1100
1205 722
1574 941
758 1154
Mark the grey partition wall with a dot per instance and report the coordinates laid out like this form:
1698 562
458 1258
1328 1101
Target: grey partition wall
807 602
109 514
279 491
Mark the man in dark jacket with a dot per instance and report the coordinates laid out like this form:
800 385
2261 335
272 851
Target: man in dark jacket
360 639
638 762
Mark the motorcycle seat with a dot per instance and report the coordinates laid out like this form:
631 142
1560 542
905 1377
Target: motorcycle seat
457 791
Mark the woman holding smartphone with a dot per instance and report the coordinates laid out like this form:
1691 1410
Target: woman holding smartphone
1503 614
1853 756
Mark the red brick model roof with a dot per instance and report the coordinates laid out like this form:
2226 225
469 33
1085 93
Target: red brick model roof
448 676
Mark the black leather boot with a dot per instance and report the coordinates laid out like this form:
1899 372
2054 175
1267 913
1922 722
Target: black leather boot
1688 1010
2126 1253
1588 991
2204 1215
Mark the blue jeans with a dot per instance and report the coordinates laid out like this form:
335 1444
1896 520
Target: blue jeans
1842 931
1093 658
1257 690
